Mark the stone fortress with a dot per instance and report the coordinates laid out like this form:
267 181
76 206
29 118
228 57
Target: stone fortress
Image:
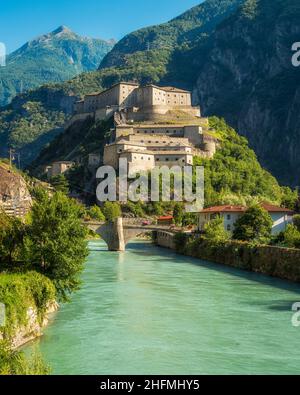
153 125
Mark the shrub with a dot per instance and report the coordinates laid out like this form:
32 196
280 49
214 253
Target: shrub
255 225
96 213
292 236
214 231
19 292
111 211
14 362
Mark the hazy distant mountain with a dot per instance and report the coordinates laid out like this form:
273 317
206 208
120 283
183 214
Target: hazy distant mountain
53 57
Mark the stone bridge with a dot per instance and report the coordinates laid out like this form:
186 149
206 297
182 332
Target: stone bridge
118 234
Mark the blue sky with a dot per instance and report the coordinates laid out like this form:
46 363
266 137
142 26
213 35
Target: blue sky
22 20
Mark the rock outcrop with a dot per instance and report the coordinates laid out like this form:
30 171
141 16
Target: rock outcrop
15 198
34 328
247 76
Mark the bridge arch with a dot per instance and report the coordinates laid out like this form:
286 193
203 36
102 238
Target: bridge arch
120 232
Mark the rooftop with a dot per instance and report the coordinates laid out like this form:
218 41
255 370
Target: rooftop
241 209
169 88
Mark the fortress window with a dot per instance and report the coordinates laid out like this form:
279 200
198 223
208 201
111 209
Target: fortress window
157 159
149 158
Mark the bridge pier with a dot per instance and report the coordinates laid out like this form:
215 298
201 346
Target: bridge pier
113 235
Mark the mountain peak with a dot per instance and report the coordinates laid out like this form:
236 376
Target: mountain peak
62 29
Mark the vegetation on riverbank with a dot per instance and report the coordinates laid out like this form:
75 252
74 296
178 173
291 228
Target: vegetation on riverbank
19 292
41 259
270 260
13 362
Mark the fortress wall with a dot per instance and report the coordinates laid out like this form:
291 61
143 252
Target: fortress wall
105 113
194 134
180 159
175 131
110 156
139 161
77 117
157 139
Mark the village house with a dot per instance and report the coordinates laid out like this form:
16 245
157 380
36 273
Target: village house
281 217
58 168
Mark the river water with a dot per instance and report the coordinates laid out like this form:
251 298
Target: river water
150 311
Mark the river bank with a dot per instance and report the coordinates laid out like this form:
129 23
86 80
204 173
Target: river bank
27 301
283 263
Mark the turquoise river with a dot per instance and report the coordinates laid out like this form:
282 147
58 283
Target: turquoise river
150 311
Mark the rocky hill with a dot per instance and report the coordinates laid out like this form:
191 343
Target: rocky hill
53 57
14 194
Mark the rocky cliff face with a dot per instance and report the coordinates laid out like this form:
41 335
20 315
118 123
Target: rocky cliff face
248 78
14 195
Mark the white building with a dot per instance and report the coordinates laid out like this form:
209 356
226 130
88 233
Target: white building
281 216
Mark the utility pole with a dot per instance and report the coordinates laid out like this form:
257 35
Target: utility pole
11 156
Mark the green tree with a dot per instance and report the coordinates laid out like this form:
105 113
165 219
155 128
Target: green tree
11 239
111 211
254 225
215 232
135 208
292 236
60 183
178 214
296 221
55 243
289 198
96 213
